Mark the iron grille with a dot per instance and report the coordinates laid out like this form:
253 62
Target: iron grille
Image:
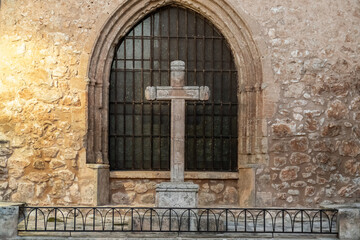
139 130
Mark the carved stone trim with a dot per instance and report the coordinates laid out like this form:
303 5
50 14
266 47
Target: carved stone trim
166 175
97 166
235 25
168 93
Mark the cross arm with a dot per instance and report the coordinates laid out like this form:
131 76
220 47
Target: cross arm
169 92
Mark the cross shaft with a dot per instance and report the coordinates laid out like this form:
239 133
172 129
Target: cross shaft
177 93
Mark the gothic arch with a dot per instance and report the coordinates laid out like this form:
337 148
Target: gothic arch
252 132
248 60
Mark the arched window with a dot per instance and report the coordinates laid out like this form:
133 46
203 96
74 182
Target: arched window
139 130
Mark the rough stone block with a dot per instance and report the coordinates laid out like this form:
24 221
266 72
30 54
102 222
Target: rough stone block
289 173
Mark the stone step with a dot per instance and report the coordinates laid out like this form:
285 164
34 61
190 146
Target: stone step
169 236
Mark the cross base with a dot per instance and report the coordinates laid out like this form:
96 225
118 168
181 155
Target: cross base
177 195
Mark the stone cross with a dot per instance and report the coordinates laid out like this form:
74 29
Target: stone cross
177 93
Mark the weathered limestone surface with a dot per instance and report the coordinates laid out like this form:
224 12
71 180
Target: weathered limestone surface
349 218
177 194
313 135
9 215
311 73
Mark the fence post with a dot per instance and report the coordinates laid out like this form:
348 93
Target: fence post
9 219
349 221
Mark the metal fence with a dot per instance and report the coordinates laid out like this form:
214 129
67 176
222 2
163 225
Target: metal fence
221 220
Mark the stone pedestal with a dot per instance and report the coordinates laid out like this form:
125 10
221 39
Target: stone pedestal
9 219
101 183
349 221
177 195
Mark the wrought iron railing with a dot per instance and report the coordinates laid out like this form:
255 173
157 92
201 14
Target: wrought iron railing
139 219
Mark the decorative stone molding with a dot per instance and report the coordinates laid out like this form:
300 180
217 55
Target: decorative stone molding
228 19
166 175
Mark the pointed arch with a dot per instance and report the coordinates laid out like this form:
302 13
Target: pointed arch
248 61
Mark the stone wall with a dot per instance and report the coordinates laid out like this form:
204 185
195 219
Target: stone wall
311 60
42 102
314 135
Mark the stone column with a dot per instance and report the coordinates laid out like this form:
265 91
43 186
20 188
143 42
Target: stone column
177 140
101 174
177 133
9 219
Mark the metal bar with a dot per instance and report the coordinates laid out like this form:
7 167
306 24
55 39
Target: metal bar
207 220
165 136
152 110
142 90
132 219
188 220
116 115
113 219
230 116
177 33
165 70
36 217
245 221
221 107
170 220
75 219
133 106
169 74
203 102
226 221
160 59
55 219
169 141
264 211
94 219
152 30
206 103
194 111
124 111
302 221
213 96
150 219
283 221
186 83
320 211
